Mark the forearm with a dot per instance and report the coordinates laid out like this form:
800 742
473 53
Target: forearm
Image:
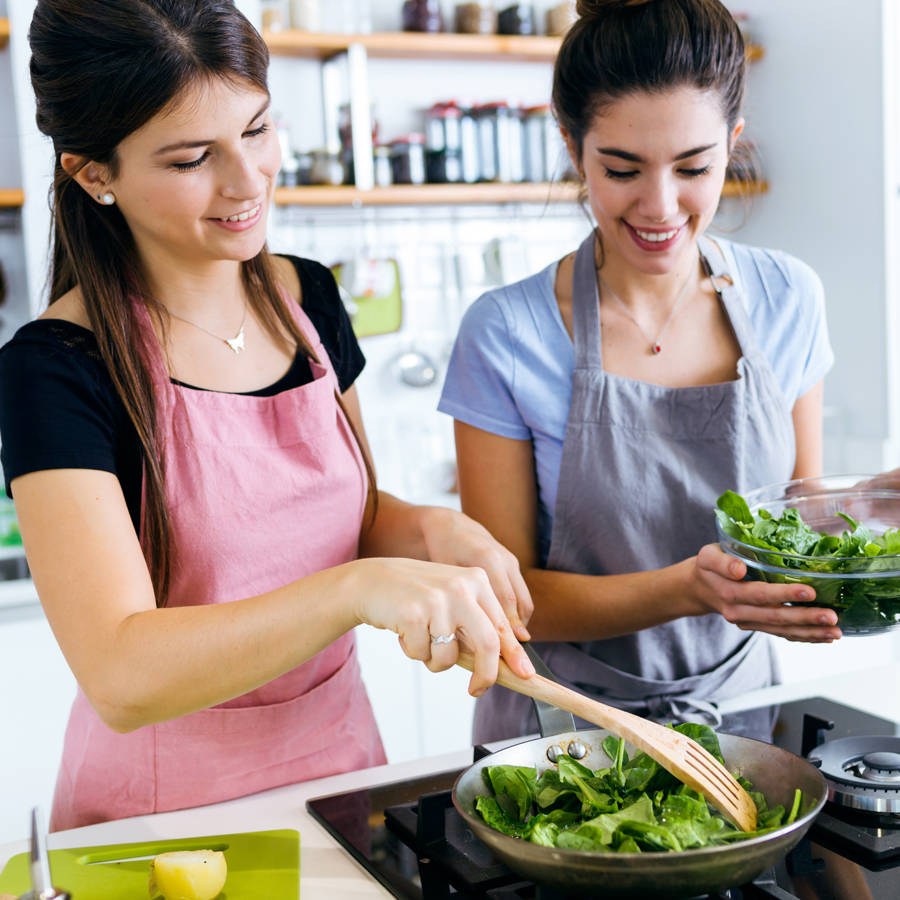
398 529
570 607
164 663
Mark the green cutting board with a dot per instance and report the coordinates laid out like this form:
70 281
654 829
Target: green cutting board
262 865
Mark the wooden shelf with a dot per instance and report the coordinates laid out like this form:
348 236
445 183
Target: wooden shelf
419 45
4 32
754 53
412 45
12 197
452 194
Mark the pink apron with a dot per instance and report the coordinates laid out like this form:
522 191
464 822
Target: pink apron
261 491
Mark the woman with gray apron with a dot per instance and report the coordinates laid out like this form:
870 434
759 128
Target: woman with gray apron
594 435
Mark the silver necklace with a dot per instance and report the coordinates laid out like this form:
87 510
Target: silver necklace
236 343
655 343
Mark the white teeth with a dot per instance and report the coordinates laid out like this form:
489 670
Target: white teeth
242 217
656 236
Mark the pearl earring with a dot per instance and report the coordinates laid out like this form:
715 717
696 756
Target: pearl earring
107 199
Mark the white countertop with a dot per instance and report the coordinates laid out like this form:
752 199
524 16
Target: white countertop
326 870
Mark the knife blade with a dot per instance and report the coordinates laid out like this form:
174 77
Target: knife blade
39 861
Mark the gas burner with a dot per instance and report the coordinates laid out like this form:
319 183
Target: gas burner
862 772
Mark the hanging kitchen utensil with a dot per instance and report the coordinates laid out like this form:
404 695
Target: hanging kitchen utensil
414 368
374 288
676 753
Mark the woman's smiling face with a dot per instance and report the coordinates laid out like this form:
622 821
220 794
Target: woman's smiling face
211 156
654 166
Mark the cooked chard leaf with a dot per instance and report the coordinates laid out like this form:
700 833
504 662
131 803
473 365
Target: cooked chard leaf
516 785
632 806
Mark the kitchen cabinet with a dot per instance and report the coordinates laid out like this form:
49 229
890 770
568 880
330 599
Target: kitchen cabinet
36 691
355 50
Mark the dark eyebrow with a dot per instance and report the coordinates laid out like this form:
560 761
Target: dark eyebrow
184 145
633 157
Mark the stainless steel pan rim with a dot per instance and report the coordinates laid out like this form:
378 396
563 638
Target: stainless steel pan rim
663 875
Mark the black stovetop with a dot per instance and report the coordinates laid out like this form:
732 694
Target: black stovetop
845 856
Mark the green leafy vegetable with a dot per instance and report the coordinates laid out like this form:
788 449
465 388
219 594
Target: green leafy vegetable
633 806
862 603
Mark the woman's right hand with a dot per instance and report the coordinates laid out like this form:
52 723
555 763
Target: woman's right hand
715 582
420 601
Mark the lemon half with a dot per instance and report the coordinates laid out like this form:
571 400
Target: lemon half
188 874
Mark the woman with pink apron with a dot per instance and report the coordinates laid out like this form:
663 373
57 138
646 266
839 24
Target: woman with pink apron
188 465
312 721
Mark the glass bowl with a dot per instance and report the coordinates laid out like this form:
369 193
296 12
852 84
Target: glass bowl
863 590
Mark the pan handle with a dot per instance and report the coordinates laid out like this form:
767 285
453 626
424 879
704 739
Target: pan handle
551 719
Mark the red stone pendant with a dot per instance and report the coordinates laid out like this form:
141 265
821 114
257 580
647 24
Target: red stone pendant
657 348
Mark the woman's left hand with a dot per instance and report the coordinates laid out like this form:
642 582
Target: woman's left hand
454 539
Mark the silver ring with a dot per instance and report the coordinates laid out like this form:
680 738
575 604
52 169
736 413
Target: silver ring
443 639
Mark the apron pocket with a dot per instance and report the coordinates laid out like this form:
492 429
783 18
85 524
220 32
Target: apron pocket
220 753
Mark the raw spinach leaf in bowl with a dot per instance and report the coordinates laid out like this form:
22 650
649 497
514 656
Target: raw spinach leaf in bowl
856 572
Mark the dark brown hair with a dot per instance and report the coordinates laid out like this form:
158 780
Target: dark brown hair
100 70
618 47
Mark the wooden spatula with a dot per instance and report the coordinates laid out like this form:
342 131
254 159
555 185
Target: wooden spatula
676 753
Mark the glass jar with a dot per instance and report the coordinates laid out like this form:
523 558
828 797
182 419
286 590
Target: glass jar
536 157
289 175
469 151
517 19
442 126
560 17
304 167
510 144
383 170
486 130
422 15
443 166
327 167
305 15
476 18
274 15
408 159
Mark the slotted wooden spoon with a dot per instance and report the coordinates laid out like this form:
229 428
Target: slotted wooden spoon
689 762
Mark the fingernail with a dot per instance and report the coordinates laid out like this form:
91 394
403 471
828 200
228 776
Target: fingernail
805 595
527 665
524 634
735 568
824 620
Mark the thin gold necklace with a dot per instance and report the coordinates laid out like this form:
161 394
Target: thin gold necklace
655 343
236 343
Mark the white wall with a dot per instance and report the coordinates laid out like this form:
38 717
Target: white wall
815 107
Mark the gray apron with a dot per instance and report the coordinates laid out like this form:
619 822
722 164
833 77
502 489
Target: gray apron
642 467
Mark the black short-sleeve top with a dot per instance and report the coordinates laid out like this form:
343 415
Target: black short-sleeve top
60 410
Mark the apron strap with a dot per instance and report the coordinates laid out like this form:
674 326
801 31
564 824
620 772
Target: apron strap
713 260
586 307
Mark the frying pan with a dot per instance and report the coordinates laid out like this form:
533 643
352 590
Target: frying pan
772 770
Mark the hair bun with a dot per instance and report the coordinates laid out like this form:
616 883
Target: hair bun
590 8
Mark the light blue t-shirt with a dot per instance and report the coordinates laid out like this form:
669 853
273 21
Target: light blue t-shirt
512 365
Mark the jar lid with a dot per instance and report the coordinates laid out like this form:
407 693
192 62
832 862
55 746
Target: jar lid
445 111
413 138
